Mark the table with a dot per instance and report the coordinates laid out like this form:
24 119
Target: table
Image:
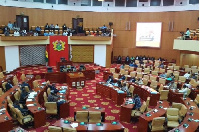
144 92
58 64
192 125
92 127
75 79
110 93
56 77
125 111
89 73
144 120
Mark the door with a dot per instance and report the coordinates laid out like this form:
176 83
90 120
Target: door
22 22
77 24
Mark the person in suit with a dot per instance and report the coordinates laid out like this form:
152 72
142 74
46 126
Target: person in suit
133 79
110 79
25 84
123 77
24 110
53 88
38 29
8 85
127 60
139 81
125 88
137 102
23 96
47 27
118 84
64 27
122 66
119 59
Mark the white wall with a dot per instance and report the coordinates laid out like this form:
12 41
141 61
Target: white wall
100 55
98 9
12 57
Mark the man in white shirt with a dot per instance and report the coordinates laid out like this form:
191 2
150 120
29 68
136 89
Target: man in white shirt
184 90
187 75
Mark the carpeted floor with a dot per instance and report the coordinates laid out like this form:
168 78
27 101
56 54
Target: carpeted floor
87 97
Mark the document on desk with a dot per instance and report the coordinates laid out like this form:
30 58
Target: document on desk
28 100
30 105
74 125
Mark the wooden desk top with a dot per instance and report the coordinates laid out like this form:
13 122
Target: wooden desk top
75 75
105 127
89 109
160 112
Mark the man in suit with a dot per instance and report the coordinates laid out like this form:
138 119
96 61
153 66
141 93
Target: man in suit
47 27
137 102
53 88
119 59
109 80
127 60
25 84
23 96
8 85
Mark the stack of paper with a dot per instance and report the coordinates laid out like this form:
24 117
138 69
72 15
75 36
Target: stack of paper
74 125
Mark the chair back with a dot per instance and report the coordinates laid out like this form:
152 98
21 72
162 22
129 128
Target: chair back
139 70
181 79
176 76
164 94
131 69
35 84
54 129
48 91
17 95
176 68
172 114
115 75
122 71
152 78
183 111
197 99
162 70
4 85
68 129
94 116
147 101
15 81
51 108
19 114
147 70
45 97
188 69
82 116
133 74
23 77
188 92
157 124
12 109
162 81
154 72
193 67
157 69
9 100
146 76
176 105
139 75
195 71
1 92
131 89
26 88
145 81
1 75
112 70
171 68
143 108
186 66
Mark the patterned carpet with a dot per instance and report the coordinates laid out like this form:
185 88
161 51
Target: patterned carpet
87 97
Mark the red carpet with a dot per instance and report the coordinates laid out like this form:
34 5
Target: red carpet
87 97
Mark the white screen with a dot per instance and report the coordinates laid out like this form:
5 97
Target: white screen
148 34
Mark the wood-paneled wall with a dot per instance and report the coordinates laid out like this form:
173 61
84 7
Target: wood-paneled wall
124 42
2 58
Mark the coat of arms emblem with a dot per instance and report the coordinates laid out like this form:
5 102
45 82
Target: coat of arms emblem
58 45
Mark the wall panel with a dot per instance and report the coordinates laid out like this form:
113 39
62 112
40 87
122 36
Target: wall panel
2 57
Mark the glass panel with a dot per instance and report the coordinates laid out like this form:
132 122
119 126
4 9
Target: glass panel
168 2
193 1
51 1
155 2
63 2
131 3
86 3
97 3
42 1
119 2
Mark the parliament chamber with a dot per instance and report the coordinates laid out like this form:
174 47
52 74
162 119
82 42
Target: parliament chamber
101 66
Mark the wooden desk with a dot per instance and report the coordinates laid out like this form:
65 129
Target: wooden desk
58 64
110 93
60 123
39 115
56 77
75 79
144 120
102 110
89 73
107 127
6 78
125 111
144 92
106 74
174 96
192 125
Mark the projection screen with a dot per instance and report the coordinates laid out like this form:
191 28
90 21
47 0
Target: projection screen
148 34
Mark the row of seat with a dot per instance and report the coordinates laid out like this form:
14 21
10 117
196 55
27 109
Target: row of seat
61 129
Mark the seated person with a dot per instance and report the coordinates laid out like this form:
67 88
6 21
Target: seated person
65 69
65 33
119 59
118 84
53 88
163 75
172 85
122 66
123 77
82 68
172 76
131 64
73 69
24 111
137 102
125 88
139 81
110 79
187 84
127 60
133 79
187 75
23 96
8 85
184 90
194 76
161 66
25 84
132 58
38 29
